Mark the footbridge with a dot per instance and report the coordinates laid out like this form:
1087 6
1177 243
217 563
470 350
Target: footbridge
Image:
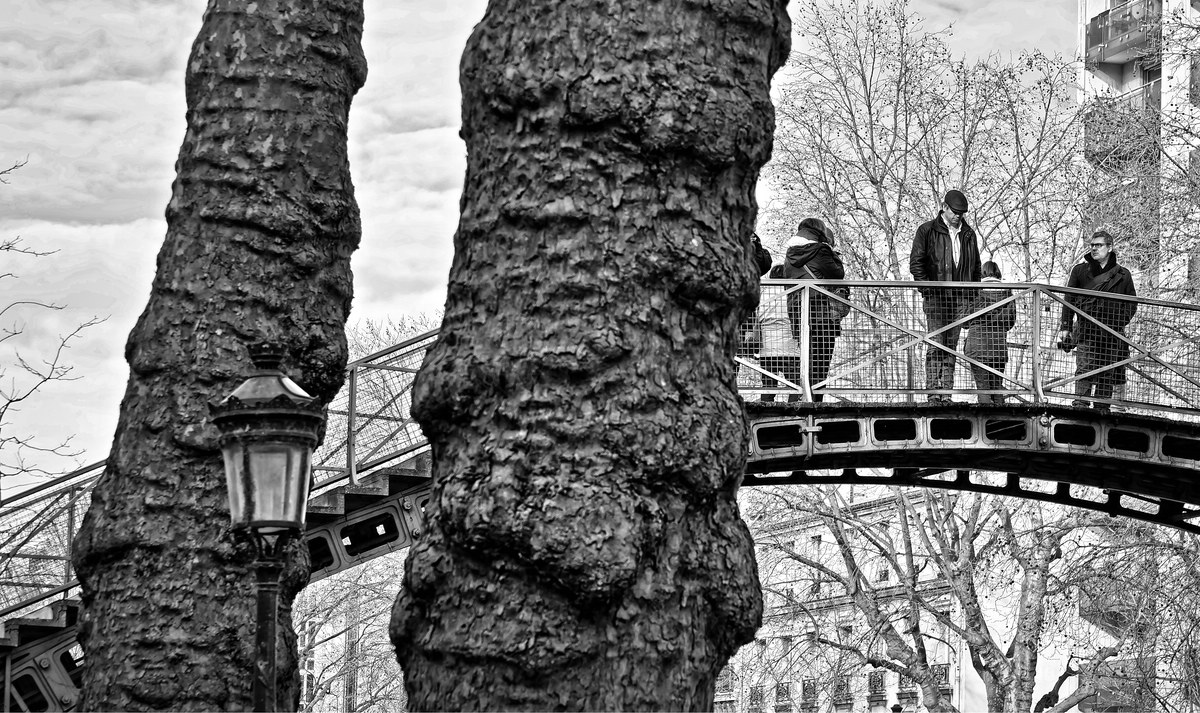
869 418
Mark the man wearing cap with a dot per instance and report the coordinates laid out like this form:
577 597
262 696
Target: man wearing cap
1097 346
944 250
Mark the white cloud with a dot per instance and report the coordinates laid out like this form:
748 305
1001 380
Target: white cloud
93 94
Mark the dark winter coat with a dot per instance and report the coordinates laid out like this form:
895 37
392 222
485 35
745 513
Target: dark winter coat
929 260
823 264
762 258
987 336
1116 279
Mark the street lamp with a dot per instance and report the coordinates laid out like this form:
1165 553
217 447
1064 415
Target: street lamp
269 427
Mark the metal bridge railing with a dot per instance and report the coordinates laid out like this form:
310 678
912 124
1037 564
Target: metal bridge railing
38 525
876 353
879 348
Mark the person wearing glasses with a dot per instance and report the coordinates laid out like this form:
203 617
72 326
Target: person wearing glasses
1098 347
944 250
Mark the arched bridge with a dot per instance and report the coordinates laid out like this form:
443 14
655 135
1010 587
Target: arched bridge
1135 453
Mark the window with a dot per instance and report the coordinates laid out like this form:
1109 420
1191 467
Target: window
808 689
815 540
725 681
883 573
876 682
783 692
756 695
841 688
814 589
941 674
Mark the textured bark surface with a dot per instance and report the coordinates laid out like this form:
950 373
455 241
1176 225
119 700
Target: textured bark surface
260 229
586 551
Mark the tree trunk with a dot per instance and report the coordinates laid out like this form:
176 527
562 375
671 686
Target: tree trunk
260 229
586 550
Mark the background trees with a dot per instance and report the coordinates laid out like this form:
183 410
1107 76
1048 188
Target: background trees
898 580
877 120
34 357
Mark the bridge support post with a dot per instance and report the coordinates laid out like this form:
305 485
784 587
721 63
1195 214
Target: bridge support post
1035 347
806 295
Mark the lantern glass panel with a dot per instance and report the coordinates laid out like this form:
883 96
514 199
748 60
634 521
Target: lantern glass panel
233 453
279 478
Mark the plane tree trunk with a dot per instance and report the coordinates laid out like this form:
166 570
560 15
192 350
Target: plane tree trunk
260 229
586 550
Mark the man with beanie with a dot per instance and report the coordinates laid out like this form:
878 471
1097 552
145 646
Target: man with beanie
944 250
1098 347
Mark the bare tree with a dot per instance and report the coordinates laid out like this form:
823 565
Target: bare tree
261 226
31 364
585 549
877 120
344 647
1008 579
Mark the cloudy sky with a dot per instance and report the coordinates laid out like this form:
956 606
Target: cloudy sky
91 94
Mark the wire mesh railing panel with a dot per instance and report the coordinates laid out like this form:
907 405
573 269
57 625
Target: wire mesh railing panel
992 342
35 544
370 420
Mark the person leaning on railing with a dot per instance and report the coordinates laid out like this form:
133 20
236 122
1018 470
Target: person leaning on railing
810 256
1096 347
944 250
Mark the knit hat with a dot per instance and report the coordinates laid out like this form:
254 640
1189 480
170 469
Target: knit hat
816 225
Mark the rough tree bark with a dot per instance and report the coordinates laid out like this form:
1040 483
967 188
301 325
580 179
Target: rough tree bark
260 229
586 549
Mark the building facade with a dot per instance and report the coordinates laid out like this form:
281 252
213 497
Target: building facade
812 653
1141 84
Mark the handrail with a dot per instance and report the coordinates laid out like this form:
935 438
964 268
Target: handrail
1159 350
54 483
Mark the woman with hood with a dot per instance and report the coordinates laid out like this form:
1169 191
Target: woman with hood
810 256
987 335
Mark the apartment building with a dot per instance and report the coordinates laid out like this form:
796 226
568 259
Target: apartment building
1141 78
786 669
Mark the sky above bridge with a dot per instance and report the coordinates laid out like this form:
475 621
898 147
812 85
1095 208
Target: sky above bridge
91 94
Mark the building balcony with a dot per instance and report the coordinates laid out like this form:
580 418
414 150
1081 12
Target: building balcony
1194 79
1124 33
1123 686
1124 129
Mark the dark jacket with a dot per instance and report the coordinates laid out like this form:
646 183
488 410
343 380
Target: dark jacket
1111 277
987 338
929 260
762 257
822 263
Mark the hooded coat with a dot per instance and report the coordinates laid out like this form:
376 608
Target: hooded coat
987 336
822 263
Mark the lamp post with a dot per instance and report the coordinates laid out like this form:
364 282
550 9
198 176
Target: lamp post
269 427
